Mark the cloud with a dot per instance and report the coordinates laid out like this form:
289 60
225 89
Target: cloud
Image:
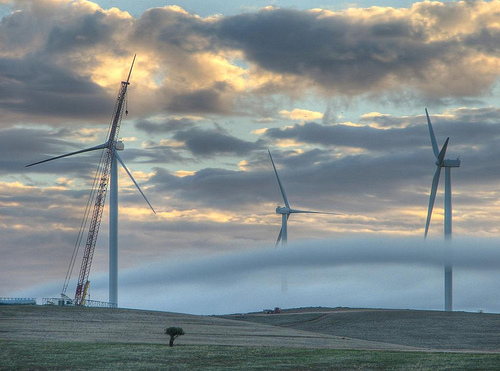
208 142
63 58
50 52
387 273
377 132
301 114
185 134
345 136
170 125
201 101
21 146
154 153
379 175
372 50
33 86
214 188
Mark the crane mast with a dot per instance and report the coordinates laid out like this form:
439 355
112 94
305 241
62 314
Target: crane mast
100 195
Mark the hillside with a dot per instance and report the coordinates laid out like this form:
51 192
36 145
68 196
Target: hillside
422 329
340 328
79 324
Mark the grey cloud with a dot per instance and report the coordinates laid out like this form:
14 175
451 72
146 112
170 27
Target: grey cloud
476 115
213 100
335 52
164 127
19 146
154 154
313 180
485 40
398 176
22 146
344 53
342 251
58 27
465 127
84 32
201 142
403 156
349 136
355 54
51 47
32 85
209 142
217 188
316 179
395 172
393 273
173 29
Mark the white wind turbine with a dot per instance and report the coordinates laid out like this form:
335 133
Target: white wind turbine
113 209
447 164
110 150
287 211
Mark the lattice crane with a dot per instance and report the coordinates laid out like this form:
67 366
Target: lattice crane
98 193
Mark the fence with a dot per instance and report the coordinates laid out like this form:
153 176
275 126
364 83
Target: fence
100 304
17 301
69 302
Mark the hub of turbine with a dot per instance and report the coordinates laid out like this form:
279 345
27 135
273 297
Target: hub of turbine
282 210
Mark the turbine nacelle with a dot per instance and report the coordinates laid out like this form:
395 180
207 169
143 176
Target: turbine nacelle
118 145
282 210
451 163
288 211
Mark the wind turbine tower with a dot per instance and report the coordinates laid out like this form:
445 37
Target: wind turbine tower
447 165
107 172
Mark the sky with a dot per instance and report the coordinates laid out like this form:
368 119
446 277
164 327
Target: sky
335 90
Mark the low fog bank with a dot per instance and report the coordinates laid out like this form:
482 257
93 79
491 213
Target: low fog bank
375 272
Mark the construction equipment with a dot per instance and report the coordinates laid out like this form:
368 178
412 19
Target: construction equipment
103 175
98 194
276 310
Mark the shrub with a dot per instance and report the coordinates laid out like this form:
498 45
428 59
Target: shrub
174 333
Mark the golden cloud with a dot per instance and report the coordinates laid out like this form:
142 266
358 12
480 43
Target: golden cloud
301 114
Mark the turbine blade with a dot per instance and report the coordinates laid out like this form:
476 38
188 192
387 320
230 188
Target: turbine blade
281 231
433 137
133 180
435 182
295 211
285 199
100 146
443 152
279 237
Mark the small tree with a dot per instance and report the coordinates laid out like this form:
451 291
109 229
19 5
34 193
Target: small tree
174 333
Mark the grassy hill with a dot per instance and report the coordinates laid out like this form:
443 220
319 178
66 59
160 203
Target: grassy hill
421 329
44 337
82 324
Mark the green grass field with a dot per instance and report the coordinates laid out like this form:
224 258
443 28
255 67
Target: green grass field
79 338
29 355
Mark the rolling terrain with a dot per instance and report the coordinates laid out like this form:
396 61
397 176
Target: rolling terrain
82 324
434 330
340 328
46 337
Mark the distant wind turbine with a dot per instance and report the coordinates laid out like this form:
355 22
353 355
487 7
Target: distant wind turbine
110 150
447 164
287 211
